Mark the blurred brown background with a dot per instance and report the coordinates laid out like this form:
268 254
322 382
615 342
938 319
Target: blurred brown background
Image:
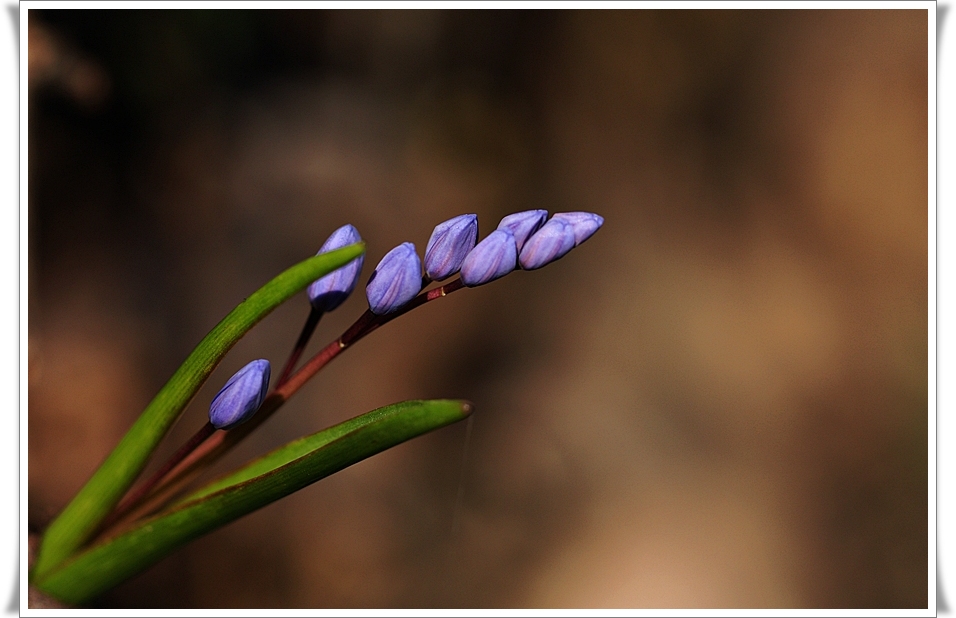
719 400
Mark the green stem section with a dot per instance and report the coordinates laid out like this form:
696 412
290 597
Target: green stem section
220 443
262 482
83 514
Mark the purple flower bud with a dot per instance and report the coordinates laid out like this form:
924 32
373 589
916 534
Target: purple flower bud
494 257
584 224
548 244
523 224
397 279
330 291
449 244
241 396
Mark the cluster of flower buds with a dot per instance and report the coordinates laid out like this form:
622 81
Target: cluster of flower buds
526 240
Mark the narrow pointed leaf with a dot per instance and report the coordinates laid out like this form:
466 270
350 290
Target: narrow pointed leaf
108 484
258 484
298 448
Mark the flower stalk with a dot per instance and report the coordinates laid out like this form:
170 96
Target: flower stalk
525 240
307 329
201 452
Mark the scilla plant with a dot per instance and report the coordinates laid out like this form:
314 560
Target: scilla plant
112 530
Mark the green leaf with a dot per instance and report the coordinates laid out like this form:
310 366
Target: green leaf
94 501
261 482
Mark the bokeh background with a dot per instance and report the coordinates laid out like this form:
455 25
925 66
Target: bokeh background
719 400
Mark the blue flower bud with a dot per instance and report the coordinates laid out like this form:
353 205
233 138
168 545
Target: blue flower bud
494 257
523 224
584 224
547 244
330 291
449 244
397 279
241 396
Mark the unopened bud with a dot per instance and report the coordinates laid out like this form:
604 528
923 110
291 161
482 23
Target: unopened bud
397 279
523 224
492 258
330 291
584 224
547 244
449 244
241 396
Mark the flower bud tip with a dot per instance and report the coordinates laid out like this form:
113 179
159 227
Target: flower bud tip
548 244
584 224
523 224
242 395
492 258
330 291
450 242
396 280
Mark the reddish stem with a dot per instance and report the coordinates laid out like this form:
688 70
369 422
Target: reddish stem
199 453
144 489
310 323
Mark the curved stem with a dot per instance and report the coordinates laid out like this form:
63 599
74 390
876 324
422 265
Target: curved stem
133 498
310 323
146 488
202 452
